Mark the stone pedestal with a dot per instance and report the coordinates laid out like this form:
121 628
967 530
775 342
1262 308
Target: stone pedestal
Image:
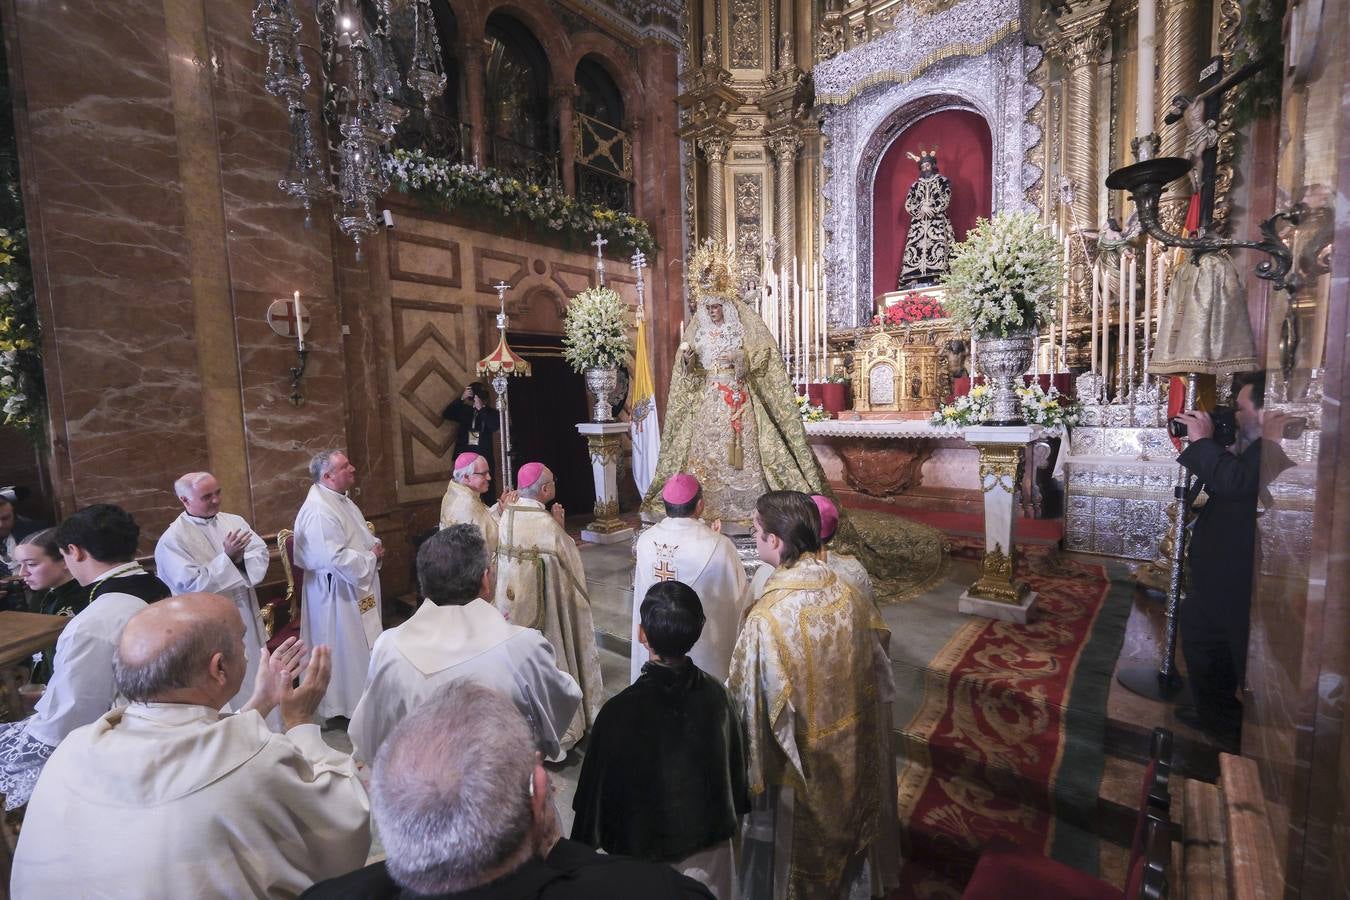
603 440
995 594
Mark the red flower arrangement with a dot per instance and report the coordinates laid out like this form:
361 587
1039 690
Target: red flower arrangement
913 307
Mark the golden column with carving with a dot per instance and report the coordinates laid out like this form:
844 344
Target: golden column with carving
1178 66
785 148
715 149
1082 36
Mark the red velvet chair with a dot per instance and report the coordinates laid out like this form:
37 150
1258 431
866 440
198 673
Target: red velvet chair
282 617
1008 872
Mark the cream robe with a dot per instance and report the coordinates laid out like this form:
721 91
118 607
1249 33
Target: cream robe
341 600
851 570
688 550
541 584
444 644
462 505
166 800
190 557
813 678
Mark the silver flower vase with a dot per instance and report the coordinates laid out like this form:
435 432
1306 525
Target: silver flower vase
602 383
1003 361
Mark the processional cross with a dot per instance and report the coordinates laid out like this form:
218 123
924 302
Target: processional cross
599 245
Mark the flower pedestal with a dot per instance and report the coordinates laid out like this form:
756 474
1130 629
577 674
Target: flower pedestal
995 595
605 444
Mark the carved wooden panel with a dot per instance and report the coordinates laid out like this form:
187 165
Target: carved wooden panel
432 363
423 260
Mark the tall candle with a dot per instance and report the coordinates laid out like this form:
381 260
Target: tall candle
1096 297
1148 305
1120 329
1129 368
1147 44
299 324
1064 329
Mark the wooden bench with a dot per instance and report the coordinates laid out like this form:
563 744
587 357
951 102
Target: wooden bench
1228 848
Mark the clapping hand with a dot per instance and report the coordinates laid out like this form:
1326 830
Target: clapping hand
509 498
276 672
235 543
298 704
558 514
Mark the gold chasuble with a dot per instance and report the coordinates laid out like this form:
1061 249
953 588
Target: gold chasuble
461 505
811 673
541 585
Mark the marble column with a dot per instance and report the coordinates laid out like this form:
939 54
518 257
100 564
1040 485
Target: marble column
1079 44
995 594
785 148
1178 68
564 98
714 147
471 52
604 440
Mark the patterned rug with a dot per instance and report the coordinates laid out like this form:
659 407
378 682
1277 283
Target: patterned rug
1005 735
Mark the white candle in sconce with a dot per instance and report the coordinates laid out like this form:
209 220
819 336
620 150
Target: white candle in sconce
1096 297
1120 326
1148 304
299 324
1129 367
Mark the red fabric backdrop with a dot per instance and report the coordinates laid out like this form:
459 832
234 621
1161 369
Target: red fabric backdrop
965 155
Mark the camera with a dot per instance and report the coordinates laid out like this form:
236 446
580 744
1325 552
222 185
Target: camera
1225 426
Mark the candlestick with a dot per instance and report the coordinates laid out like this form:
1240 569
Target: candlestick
299 324
1129 367
1064 320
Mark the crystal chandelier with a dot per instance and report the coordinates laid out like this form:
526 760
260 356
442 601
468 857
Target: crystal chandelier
365 111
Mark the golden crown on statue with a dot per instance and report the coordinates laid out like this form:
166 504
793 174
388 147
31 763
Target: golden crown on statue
713 270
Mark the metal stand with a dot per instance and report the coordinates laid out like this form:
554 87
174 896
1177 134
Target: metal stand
298 372
1163 683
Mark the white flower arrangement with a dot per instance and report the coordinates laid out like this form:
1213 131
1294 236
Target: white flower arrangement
1004 277
1039 407
595 332
449 185
809 411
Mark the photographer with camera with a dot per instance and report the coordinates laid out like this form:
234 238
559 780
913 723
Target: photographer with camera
1224 455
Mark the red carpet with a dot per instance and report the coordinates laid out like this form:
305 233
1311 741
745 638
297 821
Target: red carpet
1008 741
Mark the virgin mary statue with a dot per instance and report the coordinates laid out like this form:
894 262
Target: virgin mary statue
731 420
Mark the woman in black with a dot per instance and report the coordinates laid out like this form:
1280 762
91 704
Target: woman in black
477 423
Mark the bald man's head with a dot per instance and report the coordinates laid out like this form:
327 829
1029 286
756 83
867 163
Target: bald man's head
189 643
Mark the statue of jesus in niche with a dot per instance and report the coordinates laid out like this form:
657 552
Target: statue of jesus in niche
928 245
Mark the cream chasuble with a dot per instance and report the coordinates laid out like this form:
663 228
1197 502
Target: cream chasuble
461 505
811 674
442 644
541 585
168 800
851 570
340 606
687 550
190 557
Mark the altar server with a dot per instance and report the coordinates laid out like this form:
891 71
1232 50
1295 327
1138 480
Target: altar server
205 549
682 547
98 544
167 798
342 582
541 584
457 635
463 501
811 674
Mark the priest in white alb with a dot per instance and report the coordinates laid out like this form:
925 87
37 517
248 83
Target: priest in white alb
205 549
341 599
682 547
456 635
167 798
541 585
463 502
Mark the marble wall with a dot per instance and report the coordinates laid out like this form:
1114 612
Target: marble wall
149 156
1299 657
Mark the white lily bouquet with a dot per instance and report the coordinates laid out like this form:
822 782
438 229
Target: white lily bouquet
595 332
1039 407
1004 276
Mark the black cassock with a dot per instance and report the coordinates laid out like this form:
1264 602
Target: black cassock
928 245
665 772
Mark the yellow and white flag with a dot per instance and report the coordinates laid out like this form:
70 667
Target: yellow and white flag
644 428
